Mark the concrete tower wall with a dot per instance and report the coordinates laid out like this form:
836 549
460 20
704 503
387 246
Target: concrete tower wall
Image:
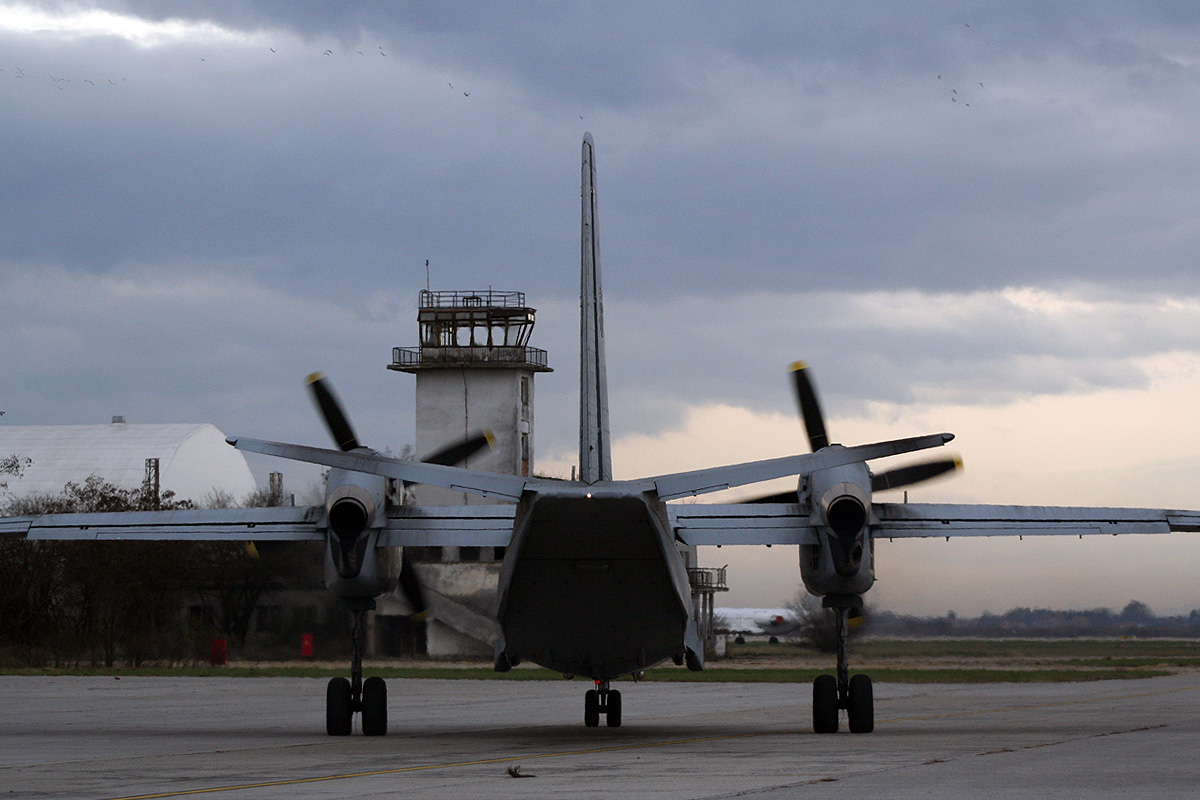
453 403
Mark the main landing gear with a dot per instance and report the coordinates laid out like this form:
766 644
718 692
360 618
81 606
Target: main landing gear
602 700
854 694
345 697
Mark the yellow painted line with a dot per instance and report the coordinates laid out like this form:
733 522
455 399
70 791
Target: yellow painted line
452 764
642 746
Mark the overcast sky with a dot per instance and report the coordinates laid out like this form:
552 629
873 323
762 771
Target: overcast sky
981 218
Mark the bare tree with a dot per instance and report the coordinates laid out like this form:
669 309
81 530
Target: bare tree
817 626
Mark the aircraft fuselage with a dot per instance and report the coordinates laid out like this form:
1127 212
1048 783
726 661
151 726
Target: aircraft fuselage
593 584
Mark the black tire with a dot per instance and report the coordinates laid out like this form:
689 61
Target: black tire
861 709
591 708
825 704
374 707
613 709
337 707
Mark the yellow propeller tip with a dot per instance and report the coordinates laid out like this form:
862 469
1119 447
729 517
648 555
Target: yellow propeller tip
491 437
797 366
314 377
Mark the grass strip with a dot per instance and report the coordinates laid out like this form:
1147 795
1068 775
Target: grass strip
712 675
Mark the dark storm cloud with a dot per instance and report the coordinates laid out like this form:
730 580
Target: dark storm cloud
768 146
762 169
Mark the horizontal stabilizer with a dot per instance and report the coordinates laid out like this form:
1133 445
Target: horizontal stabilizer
714 479
490 484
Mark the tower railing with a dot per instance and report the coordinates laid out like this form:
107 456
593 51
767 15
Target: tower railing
408 357
472 299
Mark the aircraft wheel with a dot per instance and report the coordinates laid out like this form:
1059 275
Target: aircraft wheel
825 704
613 709
337 707
591 708
861 709
374 707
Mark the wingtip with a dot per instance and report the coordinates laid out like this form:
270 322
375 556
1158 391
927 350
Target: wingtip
231 442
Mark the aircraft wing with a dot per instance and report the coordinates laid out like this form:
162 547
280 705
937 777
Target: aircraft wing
281 523
424 526
911 520
412 526
741 523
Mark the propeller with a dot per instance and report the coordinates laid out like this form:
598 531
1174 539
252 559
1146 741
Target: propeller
810 406
906 476
818 438
331 411
338 423
814 424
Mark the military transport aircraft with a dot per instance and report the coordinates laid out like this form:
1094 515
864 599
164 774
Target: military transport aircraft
593 582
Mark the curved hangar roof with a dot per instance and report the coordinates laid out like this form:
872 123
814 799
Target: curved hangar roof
193 459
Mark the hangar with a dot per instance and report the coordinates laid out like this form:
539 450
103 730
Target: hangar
193 459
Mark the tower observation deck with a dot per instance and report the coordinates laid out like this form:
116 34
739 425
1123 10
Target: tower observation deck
472 329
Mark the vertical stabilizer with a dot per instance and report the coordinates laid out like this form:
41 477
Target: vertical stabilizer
595 461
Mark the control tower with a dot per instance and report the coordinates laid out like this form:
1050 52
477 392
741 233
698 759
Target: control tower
474 371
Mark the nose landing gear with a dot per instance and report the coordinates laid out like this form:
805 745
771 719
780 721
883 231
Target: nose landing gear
602 700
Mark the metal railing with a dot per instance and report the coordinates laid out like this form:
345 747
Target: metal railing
437 356
472 299
707 579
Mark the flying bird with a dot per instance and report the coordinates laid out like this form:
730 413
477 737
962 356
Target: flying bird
466 94
328 52
272 49
515 772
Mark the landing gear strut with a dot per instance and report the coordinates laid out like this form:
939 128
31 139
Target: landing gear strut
602 700
345 697
855 694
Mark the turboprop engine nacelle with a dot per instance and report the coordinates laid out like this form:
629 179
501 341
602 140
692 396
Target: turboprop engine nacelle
841 562
355 511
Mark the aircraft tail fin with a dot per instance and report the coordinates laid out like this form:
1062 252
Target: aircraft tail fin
595 460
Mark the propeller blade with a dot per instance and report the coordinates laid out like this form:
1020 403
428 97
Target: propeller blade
331 412
449 456
906 476
781 497
410 585
810 406
454 454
